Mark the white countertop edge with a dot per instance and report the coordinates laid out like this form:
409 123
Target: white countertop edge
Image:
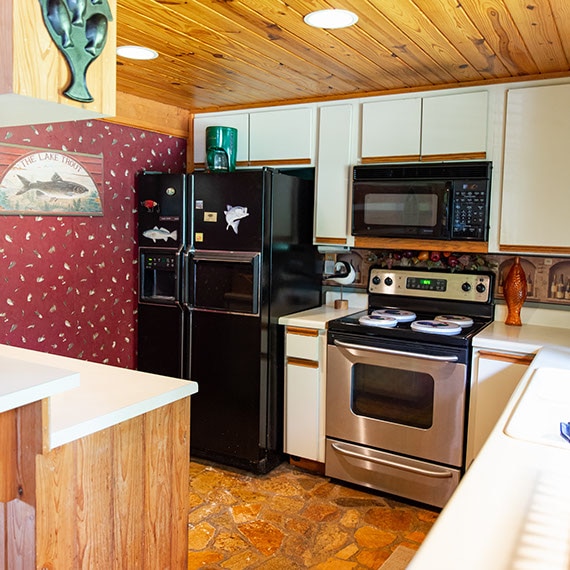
480 526
102 397
79 430
46 389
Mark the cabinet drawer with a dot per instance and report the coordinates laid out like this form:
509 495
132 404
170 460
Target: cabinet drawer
303 343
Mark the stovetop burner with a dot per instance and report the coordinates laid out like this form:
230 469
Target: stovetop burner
427 306
399 315
436 327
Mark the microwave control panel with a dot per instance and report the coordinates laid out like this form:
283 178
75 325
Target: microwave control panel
470 211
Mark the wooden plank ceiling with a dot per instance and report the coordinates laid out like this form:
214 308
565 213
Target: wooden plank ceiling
224 54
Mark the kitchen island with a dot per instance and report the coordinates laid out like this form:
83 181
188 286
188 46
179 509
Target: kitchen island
512 507
93 464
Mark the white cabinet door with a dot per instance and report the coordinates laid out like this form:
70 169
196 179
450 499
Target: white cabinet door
496 376
302 403
454 124
391 128
281 135
334 170
239 121
304 417
535 192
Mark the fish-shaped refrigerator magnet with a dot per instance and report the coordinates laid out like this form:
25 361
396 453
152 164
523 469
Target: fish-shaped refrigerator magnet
233 216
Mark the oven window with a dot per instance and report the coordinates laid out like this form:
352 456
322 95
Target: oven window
395 395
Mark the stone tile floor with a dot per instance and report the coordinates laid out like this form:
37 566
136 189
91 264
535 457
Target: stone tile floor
292 519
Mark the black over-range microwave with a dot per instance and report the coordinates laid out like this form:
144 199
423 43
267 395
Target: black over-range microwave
447 201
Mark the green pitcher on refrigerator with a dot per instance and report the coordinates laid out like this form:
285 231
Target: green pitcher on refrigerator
221 149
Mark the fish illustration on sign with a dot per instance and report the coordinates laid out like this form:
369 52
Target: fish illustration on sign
56 188
233 216
160 233
48 182
150 205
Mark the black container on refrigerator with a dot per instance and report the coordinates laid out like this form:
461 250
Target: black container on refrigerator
162 231
253 262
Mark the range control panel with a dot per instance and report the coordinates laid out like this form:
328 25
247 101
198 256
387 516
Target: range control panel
476 287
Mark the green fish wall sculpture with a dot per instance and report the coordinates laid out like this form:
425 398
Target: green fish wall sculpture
79 30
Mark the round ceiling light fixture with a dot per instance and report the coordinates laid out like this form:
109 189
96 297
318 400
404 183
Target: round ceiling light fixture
331 19
136 52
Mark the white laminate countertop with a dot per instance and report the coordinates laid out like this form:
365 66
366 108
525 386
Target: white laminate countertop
84 397
318 317
511 510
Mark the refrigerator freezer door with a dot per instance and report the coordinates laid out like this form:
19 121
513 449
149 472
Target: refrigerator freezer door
161 207
228 210
160 340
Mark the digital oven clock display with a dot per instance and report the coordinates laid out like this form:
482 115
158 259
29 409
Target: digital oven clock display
426 284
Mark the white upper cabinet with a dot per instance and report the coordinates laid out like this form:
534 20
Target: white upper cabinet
284 134
239 121
536 187
391 128
454 124
434 127
334 168
275 136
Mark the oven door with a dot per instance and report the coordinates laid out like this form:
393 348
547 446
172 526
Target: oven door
409 401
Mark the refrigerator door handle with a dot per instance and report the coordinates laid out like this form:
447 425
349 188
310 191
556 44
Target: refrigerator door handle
256 284
231 256
186 285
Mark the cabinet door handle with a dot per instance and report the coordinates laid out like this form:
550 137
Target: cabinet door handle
302 362
302 332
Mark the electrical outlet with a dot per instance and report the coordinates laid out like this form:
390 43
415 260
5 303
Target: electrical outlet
329 266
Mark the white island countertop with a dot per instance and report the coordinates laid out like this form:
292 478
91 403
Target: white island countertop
84 397
511 510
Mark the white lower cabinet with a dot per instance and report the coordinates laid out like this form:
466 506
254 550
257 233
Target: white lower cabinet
304 429
495 376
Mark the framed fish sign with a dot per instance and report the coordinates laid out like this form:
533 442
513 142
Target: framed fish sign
48 182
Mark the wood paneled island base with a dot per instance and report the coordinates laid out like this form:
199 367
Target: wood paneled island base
114 499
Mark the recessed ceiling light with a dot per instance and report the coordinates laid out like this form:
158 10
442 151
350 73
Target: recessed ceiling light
331 19
136 52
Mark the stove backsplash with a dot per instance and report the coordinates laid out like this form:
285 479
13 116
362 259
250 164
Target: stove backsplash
548 278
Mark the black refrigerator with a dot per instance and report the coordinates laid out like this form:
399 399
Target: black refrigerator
247 258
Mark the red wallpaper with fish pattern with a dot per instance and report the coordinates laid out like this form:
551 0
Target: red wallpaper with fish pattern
68 285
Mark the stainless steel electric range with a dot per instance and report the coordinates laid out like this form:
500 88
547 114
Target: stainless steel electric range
398 382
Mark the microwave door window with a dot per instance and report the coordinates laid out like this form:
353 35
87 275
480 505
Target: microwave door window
410 210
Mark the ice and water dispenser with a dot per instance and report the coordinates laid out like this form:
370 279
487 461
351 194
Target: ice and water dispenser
159 276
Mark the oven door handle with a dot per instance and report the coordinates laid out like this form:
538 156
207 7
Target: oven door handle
443 474
349 346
